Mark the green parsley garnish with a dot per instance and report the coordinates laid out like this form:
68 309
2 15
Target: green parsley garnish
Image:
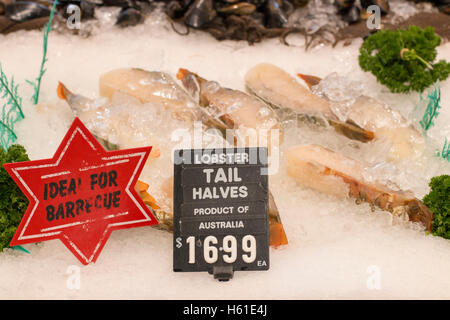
403 60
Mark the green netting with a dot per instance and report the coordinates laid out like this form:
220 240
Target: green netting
37 83
11 110
431 105
431 112
445 153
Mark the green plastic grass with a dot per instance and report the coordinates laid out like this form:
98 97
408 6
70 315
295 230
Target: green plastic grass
11 110
37 83
431 112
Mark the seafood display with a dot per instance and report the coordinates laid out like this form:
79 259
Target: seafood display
364 120
272 91
332 182
332 173
357 175
273 94
319 21
159 90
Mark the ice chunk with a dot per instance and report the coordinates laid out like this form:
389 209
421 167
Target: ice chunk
341 91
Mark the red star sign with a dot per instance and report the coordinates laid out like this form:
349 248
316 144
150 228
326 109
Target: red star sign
81 194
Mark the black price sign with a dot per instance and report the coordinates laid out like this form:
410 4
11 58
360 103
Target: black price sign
221 211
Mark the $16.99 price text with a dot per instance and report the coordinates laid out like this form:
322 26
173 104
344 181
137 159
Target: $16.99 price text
229 247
